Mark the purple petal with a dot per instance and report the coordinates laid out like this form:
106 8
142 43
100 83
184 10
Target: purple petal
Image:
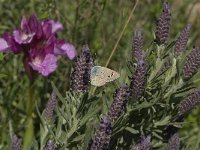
49 47
35 26
66 49
3 45
33 23
56 26
24 25
47 27
22 37
39 32
15 47
45 67
23 22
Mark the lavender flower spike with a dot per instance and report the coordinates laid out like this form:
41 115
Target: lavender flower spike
190 102
50 107
137 46
192 63
119 103
50 145
16 143
81 72
143 145
138 79
163 25
174 142
102 137
181 42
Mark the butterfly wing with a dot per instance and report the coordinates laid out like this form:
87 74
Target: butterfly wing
110 75
96 76
101 75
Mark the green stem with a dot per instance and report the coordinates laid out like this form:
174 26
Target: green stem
28 137
119 38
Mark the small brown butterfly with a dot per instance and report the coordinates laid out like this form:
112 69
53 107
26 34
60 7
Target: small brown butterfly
101 75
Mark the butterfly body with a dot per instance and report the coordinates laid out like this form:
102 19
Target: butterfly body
101 75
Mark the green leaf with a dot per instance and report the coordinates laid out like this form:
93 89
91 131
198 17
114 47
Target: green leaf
2 75
171 73
90 114
131 130
162 122
88 133
1 56
57 92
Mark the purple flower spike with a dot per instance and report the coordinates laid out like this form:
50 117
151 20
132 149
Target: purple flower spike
137 84
192 63
3 45
137 47
102 137
16 143
173 142
81 70
163 25
191 102
50 145
181 42
120 97
45 67
144 144
50 107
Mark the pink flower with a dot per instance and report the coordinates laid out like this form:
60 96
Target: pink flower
39 43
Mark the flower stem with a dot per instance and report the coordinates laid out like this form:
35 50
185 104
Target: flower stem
119 38
28 137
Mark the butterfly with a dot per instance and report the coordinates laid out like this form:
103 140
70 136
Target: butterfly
101 75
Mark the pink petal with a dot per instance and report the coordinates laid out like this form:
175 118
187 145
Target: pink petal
33 23
3 45
47 27
22 38
56 26
65 49
24 25
45 67
69 50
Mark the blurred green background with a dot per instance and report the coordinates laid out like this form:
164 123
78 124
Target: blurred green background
98 23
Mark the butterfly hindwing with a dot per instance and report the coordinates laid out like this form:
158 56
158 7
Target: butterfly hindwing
101 75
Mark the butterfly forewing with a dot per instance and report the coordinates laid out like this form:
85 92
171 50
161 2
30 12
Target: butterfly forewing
100 75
